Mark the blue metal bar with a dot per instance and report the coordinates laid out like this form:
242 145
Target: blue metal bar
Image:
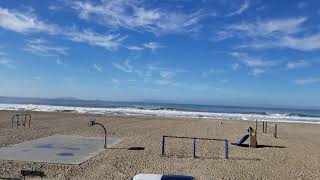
194 147
162 149
226 144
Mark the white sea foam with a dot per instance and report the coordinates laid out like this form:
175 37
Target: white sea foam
161 112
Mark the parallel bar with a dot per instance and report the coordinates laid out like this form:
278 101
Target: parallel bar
275 131
162 149
226 144
266 127
194 147
195 138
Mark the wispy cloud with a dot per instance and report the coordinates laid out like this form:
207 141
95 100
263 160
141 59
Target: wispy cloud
135 48
257 65
108 41
213 71
124 66
277 33
97 67
136 16
23 22
30 23
59 61
241 9
43 48
36 78
153 45
298 64
302 5
5 62
235 66
262 29
305 81
115 81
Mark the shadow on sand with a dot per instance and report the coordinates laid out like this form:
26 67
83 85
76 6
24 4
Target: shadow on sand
261 146
212 158
136 148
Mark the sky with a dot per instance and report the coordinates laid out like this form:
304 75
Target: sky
221 52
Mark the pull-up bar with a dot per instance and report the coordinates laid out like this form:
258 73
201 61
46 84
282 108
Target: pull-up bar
194 144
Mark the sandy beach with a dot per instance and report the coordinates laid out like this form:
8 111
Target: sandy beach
295 154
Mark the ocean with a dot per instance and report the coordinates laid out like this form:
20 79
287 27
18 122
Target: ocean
161 109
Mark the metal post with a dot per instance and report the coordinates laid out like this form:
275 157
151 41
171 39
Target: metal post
194 147
262 126
105 134
266 127
275 131
18 122
162 148
226 145
12 121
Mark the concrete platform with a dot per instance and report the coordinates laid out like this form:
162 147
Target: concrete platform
64 149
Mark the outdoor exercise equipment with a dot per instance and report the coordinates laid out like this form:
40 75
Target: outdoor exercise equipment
194 144
92 123
16 120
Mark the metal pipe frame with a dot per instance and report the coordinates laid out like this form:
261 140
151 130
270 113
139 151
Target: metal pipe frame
226 144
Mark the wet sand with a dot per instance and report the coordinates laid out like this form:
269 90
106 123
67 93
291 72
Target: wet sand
295 154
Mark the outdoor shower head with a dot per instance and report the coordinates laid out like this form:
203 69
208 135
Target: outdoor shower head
92 122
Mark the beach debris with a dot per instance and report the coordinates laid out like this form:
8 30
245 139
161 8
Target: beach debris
32 173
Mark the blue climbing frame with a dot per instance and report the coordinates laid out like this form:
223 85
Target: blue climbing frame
226 144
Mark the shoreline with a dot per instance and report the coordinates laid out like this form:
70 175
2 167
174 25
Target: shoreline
132 111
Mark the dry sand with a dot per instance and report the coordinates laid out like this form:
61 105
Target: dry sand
294 155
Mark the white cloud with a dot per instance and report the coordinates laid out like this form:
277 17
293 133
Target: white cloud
115 81
29 23
256 64
302 5
23 23
7 63
124 66
277 33
54 8
108 41
59 61
153 45
267 28
297 64
36 78
97 67
42 47
134 15
235 66
135 48
241 9
212 71
166 74
310 80
166 82
253 61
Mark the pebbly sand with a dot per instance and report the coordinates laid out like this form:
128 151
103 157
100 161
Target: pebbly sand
294 155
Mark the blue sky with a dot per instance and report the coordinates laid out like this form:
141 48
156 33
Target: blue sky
224 52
